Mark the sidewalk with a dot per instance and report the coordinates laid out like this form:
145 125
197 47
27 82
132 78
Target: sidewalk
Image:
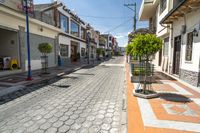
177 110
15 82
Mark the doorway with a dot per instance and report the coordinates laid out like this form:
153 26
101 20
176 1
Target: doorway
177 51
74 48
9 50
160 58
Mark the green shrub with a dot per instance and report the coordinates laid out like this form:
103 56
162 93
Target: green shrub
45 48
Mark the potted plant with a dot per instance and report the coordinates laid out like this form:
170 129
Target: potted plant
45 48
144 46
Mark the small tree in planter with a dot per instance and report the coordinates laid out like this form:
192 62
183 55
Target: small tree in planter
45 48
144 46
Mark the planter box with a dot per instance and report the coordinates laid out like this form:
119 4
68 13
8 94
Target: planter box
138 72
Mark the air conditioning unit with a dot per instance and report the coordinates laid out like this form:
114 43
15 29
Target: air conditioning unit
183 29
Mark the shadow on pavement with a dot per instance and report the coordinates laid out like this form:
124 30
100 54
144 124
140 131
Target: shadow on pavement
61 86
31 88
174 97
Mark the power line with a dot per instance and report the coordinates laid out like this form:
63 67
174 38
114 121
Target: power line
118 26
102 17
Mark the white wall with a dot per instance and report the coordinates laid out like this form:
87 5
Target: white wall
161 31
192 20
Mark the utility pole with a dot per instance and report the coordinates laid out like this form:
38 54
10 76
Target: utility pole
135 14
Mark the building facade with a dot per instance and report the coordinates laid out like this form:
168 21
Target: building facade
13 38
177 23
72 38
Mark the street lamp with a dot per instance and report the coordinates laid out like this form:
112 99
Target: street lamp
27 6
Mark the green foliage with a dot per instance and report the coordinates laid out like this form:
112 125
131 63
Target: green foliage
144 45
141 71
45 48
102 40
99 51
129 48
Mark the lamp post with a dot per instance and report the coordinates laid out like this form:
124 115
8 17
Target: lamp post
26 7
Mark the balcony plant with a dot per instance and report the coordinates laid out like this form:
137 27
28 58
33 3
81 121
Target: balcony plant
45 49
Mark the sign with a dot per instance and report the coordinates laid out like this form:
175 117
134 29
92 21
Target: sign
29 6
17 5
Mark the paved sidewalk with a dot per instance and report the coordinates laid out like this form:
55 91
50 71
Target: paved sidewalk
176 110
14 82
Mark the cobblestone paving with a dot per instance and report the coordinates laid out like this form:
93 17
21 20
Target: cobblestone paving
86 101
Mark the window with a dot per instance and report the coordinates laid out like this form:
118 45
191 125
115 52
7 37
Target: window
110 38
189 44
163 5
166 47
82 51
64 23
74 28
83 33
64 50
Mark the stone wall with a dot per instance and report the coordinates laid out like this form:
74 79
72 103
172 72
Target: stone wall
190 77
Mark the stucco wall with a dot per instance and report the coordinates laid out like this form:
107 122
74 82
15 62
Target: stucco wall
192 20
35 54
14 19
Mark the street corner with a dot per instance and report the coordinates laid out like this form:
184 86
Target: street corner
176 110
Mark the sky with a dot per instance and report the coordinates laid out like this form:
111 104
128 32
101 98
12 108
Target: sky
106 16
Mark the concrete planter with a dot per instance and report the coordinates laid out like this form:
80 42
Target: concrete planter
145 96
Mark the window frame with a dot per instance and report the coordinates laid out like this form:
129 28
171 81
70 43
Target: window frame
71 28
67 46
163 5
189 47
166 47
83 36
67 22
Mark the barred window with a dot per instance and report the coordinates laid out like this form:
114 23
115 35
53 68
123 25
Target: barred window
188 56
166 47
64 50
163 5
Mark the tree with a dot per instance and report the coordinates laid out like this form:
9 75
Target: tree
45 48
144 46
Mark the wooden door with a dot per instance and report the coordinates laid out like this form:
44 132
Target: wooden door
177 51
73 53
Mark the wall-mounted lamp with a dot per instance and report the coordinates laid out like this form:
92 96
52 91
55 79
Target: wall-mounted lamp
195 32
41 29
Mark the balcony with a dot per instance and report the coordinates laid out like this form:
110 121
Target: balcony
148 9
180 8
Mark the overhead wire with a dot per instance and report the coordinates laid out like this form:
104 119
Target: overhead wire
118 26
103 17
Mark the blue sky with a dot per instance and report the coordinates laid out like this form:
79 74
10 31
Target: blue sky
107 16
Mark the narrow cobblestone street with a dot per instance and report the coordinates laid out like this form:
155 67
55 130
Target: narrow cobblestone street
86 101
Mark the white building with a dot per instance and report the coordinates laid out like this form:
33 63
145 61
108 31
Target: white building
177 23
13 44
